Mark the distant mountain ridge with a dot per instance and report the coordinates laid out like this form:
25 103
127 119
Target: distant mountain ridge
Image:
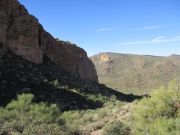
129 72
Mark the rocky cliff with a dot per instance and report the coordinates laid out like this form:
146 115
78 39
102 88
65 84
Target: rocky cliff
22 34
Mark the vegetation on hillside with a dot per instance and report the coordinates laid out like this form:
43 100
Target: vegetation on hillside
37 100
116 128
137 74
22 116
83 105
158 114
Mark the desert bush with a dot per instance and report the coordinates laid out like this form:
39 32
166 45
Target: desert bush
158 114
42 128
116 128
22 116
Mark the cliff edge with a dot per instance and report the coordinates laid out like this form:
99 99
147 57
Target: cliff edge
23 35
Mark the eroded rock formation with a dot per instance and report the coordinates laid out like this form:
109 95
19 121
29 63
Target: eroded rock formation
22 34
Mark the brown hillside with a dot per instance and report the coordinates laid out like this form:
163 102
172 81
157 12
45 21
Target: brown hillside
136 73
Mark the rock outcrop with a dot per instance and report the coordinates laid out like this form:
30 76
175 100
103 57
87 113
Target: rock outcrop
22 34
105 58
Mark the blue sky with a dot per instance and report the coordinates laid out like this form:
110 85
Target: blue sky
124 26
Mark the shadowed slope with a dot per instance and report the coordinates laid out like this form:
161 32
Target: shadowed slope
50 84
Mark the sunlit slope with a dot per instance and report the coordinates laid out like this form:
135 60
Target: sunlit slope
136 73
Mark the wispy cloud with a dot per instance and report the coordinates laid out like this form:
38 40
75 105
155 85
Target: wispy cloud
146 28
132 29
156 40
104 29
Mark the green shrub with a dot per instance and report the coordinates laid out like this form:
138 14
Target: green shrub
41 128
158 114
25 117
116 128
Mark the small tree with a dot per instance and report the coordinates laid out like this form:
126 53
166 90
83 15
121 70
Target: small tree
116 128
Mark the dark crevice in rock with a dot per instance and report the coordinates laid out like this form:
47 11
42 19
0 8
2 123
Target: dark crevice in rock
10 24
39 37
1 45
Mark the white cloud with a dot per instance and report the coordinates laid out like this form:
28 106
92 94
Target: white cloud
146 28
104 29
156 40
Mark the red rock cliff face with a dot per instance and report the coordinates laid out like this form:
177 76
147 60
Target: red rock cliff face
22 34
